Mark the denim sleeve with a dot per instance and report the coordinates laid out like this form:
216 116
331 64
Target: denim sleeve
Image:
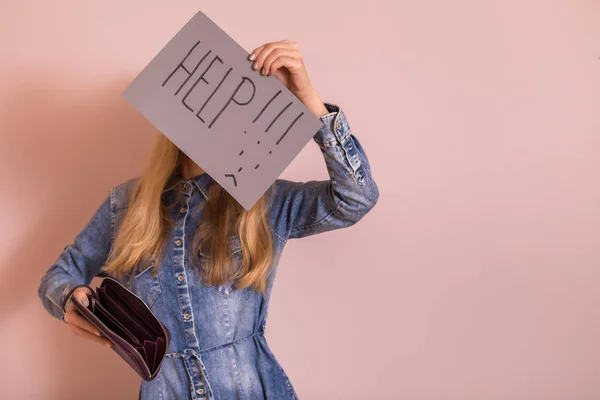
308 208
79 262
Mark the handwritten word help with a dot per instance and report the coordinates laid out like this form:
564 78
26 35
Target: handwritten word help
242 95
240 127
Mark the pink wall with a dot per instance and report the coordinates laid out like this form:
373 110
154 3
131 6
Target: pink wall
476 276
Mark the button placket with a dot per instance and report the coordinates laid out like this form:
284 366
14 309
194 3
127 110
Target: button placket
200 387
179 273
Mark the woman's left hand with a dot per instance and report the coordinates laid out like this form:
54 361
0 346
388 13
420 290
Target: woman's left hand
284 60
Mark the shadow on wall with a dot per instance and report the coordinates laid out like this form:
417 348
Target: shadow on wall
63 147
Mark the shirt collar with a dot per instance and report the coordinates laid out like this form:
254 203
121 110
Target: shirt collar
202 182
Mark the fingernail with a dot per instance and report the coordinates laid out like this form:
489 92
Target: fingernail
255 65
251 57
263 72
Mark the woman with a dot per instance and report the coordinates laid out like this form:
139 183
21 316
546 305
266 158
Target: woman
217 261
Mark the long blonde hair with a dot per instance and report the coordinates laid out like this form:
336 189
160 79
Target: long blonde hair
146 225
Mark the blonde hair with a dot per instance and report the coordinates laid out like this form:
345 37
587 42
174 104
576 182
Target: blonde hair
146 225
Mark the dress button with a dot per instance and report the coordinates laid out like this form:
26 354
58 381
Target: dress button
180 277
339 126
186 316
200 391
178 242
182 210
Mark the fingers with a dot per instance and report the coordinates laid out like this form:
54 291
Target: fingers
73 318
78 325
265 55
278 58
283 44
77 331
81 295
288 62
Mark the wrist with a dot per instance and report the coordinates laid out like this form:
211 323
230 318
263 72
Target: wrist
313 102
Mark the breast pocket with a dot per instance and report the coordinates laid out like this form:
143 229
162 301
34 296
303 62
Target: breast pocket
145 283
226 289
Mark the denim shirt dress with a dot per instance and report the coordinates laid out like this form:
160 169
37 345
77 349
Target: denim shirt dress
218 348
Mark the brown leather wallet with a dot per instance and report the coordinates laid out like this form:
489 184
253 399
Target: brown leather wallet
138 337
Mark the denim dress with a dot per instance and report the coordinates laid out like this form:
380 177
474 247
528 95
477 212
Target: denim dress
218 348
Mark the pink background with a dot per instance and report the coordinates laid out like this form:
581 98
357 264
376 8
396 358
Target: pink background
477 275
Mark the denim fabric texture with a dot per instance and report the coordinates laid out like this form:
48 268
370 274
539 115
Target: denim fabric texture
218 348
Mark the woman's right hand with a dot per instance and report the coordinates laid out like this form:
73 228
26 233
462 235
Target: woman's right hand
78 325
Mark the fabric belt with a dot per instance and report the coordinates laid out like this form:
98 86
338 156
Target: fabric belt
191 353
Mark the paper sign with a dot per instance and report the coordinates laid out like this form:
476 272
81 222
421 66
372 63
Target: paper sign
240 127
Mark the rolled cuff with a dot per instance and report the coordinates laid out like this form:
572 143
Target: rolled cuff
335 130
